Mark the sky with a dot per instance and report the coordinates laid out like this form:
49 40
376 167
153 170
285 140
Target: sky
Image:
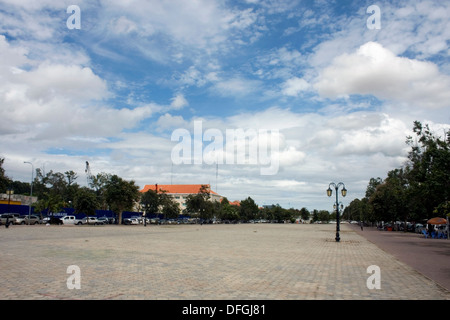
176 91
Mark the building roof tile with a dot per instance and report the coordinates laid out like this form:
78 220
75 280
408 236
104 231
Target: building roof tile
177 188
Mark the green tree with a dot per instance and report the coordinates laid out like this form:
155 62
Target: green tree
20 187
150 202
323 215
315 216
99 183
52 185
389 201
85 201
353 211
199 204
372 186
50 202
249 209
170 208
121 195
228 212
292 214
5 182
304 214
420 188
71 188
40 184
427 169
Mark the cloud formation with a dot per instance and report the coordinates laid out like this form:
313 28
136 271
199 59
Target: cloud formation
341 96
374 70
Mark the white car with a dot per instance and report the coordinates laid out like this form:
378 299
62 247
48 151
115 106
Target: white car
70 220
19 220
32 219
91 220
131 221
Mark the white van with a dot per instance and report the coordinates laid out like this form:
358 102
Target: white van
69 220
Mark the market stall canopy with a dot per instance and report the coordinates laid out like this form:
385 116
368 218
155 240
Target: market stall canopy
437 220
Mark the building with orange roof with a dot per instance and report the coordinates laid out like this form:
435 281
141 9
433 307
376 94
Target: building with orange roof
180 192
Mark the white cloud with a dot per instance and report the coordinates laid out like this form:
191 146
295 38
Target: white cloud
169 122
179 102
236 86
71 82
294 86
55 101
186 26
386 137
122 26
59 101
374 70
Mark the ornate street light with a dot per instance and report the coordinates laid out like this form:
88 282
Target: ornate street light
9 192
31 191
344 193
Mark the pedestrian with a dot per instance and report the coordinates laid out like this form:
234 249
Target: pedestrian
361 226
430 229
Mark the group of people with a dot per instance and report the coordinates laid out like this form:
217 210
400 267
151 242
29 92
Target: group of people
432 232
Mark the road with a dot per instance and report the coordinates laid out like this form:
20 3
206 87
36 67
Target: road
431 257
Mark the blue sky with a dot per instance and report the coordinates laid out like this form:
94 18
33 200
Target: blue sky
342 96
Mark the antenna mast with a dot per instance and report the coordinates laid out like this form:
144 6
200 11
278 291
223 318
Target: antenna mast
88 174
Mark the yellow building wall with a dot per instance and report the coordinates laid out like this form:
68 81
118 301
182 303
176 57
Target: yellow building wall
10 202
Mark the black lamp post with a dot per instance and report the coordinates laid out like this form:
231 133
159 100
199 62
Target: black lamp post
344 193
9 192
31 191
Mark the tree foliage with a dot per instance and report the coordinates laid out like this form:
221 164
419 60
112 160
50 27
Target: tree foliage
85 201
121 195
199 204
150 202
249 209
419 190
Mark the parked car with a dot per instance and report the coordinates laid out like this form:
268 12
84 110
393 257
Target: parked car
67 220
154 221
103 220
70 220
91 221
32 219
19 220
52 220
130 221
419 227
139 219
7 218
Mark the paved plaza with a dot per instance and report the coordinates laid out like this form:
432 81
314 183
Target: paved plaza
209 262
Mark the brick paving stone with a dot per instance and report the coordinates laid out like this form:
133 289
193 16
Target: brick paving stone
193 262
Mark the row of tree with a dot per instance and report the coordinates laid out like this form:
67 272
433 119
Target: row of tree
200 206
417 191
56 190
